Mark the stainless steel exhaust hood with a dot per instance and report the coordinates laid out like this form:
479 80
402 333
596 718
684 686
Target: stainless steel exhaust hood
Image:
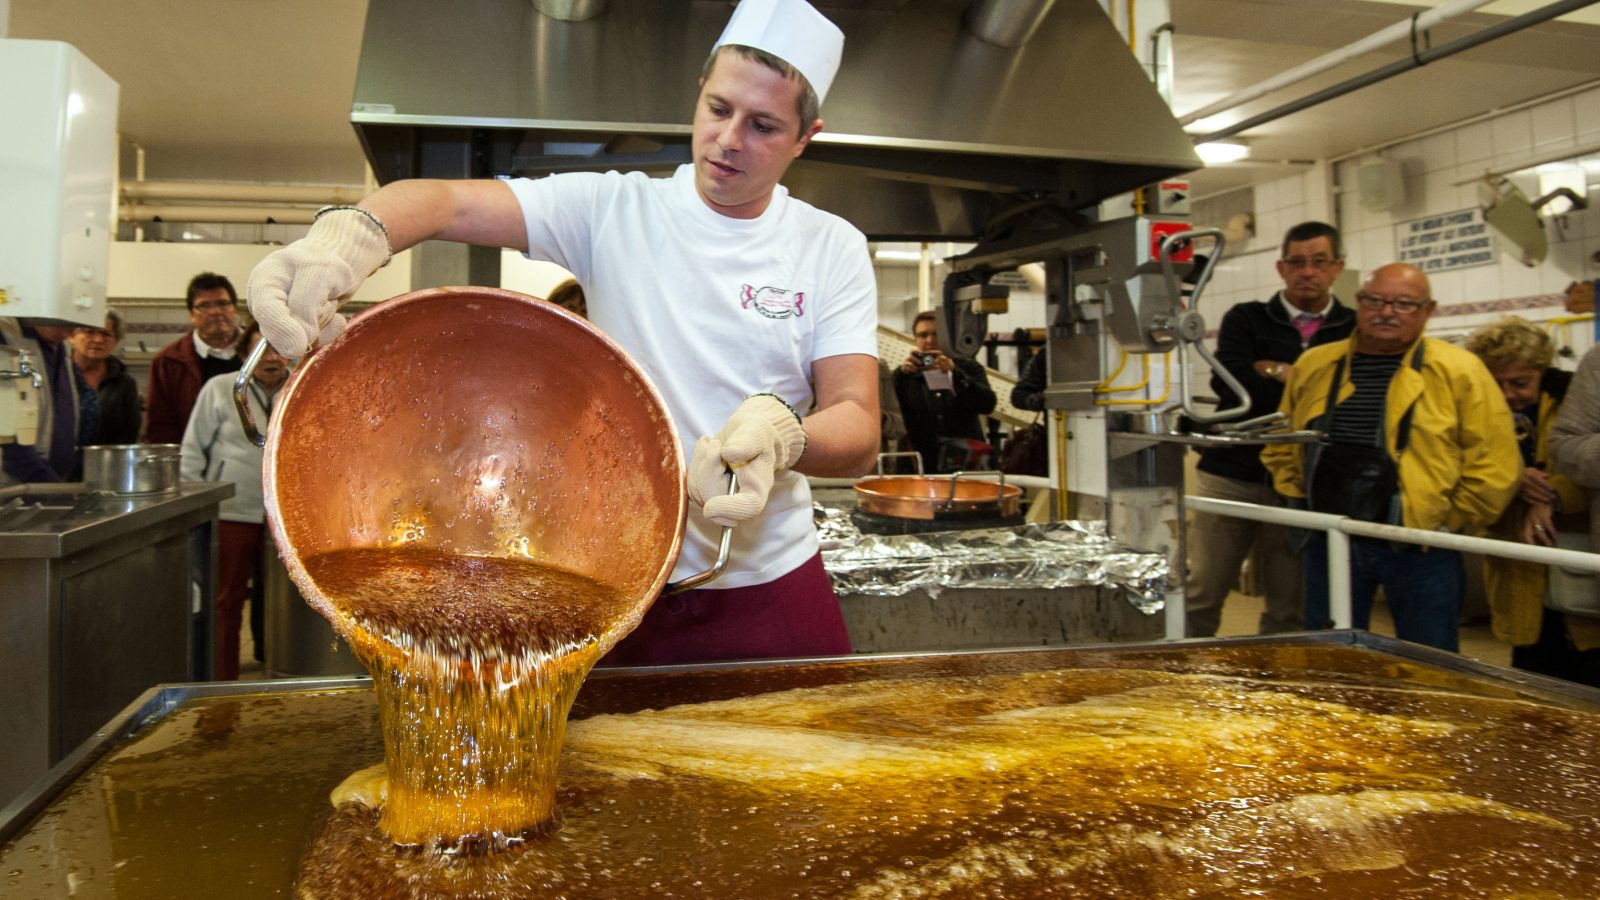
931 132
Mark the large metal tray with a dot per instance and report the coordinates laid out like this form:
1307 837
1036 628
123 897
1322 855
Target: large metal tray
293 806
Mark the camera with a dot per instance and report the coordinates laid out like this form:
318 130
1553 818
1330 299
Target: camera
926 359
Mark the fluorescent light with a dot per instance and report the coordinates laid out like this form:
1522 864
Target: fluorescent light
898 255
1218 152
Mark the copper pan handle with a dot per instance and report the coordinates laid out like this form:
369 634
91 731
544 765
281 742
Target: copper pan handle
240 385
1000 489
715 572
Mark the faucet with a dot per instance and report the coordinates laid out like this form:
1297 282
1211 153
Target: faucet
24 369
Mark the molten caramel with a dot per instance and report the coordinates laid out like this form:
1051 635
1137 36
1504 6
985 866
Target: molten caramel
1282 770
475 662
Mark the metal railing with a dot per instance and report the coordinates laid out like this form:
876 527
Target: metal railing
1341 528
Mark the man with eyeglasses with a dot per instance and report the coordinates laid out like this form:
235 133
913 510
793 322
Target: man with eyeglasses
1259 342
1417 434
204 352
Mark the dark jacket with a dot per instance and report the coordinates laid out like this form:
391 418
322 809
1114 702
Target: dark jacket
1255 330
1029 390
175 381
119 406
930 415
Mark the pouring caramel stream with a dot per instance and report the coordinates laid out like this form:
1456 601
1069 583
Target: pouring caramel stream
475 662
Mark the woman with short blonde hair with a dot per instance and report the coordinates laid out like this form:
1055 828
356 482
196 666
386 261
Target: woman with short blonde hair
1519 354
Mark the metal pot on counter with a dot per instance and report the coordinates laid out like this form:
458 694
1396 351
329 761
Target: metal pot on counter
131 470
963 495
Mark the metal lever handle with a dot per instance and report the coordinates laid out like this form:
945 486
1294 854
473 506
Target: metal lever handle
1191 326
723 548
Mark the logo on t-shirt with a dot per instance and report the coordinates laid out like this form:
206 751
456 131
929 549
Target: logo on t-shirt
774 303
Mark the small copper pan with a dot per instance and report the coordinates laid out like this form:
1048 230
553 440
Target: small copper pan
930 497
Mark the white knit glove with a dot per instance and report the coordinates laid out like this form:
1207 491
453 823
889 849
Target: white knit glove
762 438
294 293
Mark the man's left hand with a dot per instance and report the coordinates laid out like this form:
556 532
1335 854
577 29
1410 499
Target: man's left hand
762 438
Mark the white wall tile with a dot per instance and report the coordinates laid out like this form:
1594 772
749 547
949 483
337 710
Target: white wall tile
1224 277
1586 113
1565 265
1377 248
1270 222
1517 280
1292 215
1554 125
1291 191
1474 143
1448 287
1481 283
1439 192
1512 136
1438 151
1350 211
1266 196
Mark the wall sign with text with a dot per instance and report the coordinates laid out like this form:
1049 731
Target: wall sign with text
1452 240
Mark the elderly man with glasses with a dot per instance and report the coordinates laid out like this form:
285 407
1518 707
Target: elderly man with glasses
1417 434
1259 342
204 352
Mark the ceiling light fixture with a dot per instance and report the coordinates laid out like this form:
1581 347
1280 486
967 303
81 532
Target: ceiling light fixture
897 256
1214 153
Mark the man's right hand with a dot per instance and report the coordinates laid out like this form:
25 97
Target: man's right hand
294 293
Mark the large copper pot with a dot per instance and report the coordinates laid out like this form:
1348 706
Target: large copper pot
480 422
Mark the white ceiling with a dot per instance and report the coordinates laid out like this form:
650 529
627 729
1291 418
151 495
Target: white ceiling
259 90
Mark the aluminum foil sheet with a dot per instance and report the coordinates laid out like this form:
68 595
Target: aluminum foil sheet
1034 557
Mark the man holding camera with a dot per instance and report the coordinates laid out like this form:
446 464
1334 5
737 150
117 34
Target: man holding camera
941 399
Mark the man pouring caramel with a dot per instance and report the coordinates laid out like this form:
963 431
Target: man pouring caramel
758 326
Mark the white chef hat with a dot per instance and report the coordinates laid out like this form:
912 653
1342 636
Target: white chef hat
794 32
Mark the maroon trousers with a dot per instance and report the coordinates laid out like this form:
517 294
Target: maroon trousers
238 556
795 615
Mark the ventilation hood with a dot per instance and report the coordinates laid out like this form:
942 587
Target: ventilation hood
931 132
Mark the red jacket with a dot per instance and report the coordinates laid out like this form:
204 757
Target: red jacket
175 383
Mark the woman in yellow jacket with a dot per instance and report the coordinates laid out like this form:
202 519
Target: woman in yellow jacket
1446 430
1519 355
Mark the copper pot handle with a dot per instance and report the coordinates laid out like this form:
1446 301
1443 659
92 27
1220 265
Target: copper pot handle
715 572
242 384
1000 489
917 457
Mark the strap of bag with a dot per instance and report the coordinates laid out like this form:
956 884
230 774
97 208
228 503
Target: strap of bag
1402 432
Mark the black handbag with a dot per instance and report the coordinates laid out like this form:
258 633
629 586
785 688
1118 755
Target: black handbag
1027 451
1354 480
1359 480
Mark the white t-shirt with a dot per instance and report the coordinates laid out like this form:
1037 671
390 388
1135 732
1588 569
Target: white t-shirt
714 309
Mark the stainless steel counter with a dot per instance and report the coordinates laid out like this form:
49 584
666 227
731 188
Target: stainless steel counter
100 598
55 520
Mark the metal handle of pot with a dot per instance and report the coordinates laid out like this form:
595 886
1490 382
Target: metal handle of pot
1000 489
241 385
715 572
911 453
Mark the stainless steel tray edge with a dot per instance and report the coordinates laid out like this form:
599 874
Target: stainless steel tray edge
149 708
